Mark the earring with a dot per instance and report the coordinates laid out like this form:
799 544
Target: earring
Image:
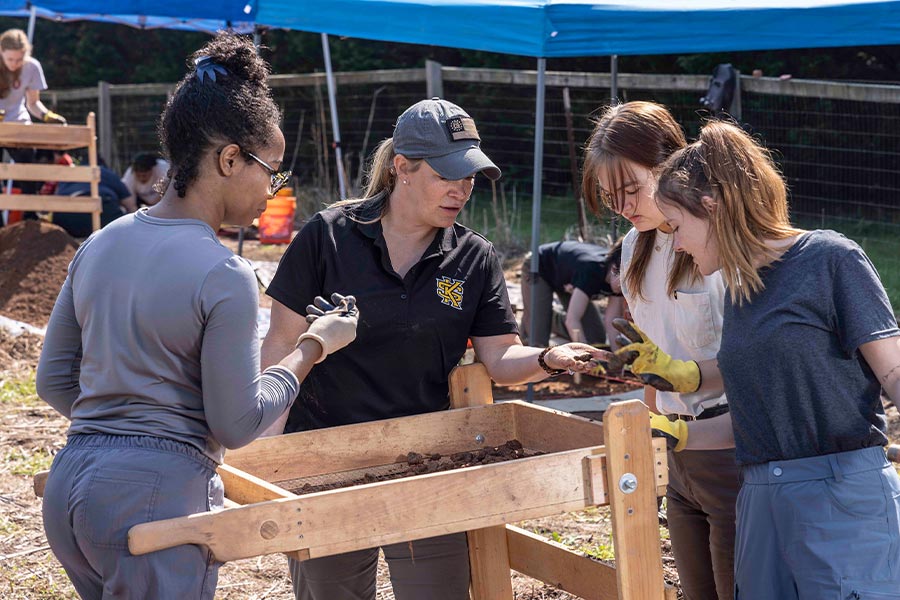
405 182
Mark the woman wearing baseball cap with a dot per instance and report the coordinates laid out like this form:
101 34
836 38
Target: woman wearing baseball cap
428 284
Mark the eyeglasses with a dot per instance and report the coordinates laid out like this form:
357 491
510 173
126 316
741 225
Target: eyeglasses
279 178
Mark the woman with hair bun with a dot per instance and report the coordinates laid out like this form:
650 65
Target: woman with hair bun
809 343
152 349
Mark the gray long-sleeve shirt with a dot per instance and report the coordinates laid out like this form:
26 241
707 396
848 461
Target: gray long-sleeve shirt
154 333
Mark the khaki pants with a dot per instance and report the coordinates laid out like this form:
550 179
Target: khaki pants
701 498
430 569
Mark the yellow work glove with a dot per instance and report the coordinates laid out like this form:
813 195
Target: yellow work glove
675 432
652 365
52 117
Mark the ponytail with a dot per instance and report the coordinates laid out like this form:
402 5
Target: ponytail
749 194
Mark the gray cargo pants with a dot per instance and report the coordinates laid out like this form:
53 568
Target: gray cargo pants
102 485
819 528
430 569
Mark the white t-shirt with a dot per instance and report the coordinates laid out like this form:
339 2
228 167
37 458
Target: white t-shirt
31 78
144 192
687 327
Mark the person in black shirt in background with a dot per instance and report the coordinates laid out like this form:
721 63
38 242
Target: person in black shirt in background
577 273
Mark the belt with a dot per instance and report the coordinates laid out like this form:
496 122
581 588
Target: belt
709 413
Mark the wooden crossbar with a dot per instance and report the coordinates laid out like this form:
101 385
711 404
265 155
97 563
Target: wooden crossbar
53 137
50 203
37 172
50 137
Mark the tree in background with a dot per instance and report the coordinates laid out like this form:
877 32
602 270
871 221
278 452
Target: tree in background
82 53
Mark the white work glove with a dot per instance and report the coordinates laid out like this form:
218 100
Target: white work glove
332 324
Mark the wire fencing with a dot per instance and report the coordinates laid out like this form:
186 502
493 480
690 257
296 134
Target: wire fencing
837 143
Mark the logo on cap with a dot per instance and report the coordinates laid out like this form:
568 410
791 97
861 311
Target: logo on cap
462 128
450 291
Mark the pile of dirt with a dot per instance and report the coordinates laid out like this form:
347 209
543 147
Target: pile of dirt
418 464
35 256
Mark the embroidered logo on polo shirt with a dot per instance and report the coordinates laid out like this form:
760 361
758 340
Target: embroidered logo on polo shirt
462 128
450 291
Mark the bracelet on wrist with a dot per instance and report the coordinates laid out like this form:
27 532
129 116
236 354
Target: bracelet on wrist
543 364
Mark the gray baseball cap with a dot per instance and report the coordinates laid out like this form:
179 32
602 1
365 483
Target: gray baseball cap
445 136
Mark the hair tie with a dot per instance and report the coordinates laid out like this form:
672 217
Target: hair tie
206 67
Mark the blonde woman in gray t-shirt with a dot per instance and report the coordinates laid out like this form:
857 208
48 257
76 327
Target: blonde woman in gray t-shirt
809 343
22 81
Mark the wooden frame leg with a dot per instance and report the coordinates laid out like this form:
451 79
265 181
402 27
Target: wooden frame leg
630 457
470 385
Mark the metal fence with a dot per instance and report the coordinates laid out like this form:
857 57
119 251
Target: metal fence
838 144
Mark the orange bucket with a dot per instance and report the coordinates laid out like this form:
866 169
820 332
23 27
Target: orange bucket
277 222
14 216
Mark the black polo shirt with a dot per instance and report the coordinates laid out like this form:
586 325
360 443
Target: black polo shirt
583 265
411 332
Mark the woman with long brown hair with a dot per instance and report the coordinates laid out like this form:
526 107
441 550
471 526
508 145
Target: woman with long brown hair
810 341
681 308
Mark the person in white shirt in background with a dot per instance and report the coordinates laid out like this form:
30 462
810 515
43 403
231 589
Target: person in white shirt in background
146 171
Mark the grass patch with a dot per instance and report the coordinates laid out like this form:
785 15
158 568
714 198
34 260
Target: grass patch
18 576
28 462
600 551
19 392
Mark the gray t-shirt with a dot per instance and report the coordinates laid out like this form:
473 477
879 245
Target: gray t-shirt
795 380
154 333
32 78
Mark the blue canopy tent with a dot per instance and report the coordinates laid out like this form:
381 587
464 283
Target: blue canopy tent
237 15
567 28
561 28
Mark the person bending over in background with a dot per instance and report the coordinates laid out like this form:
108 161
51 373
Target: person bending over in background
809 342
152 349
577 273
143 179
427 284
682 308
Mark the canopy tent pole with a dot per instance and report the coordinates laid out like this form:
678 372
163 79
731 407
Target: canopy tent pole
257 41
613 100
332 102
32 17
536 200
